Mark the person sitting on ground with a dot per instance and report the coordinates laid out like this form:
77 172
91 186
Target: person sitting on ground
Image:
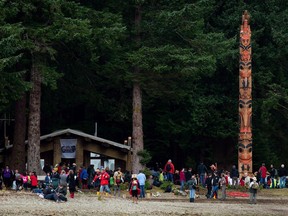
48 192
61 193
18 179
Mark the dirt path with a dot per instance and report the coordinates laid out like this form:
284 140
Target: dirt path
21 203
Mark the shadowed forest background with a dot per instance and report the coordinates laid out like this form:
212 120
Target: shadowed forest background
187 56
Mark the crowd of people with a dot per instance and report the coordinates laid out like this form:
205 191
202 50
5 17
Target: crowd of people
214 179
64 177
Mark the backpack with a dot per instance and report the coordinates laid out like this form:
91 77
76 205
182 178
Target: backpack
276 173
168 167
255 185
119 178
168 189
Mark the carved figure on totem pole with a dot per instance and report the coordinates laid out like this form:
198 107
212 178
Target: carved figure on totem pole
245 98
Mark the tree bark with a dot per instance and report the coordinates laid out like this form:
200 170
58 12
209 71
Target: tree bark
33 153
18 150
137 133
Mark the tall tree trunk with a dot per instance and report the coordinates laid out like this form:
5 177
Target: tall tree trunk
18 150
33 153
137 133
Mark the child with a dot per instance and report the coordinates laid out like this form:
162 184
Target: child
134 188
253 187
18 179
25 181
34 180
192 186
47 179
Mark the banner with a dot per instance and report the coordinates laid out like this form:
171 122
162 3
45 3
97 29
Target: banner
68 148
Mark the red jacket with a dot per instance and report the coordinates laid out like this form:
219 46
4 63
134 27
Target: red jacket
134 183
172 167
263 171
34 180
104 178
182 176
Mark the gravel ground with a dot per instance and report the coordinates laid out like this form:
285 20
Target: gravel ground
22 203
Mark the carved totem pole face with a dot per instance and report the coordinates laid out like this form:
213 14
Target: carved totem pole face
245 155
245 115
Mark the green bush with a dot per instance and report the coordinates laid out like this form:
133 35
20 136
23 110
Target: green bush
147 172
164 185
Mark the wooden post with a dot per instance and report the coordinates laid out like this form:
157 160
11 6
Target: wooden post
57 151
245 98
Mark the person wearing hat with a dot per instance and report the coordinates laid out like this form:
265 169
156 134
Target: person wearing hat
253 187
134 188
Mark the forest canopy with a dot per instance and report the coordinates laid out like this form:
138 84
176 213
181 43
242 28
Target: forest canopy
188 58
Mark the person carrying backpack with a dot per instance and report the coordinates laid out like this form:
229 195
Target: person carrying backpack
169 169
118 180
192 184
134 188
253 187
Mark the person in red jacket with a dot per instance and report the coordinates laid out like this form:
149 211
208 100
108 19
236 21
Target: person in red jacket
34 180
169 169
104 181
263 171
134 188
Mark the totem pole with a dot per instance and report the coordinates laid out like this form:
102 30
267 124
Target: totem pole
245 99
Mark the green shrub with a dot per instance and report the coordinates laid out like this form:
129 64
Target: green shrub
164 185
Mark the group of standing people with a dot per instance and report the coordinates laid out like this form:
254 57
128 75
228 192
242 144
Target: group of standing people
17 181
